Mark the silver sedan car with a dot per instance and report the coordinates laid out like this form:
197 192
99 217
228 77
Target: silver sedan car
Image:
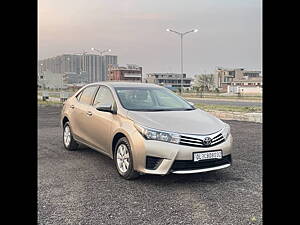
145 129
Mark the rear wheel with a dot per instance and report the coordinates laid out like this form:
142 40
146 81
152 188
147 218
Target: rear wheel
123 159
69 142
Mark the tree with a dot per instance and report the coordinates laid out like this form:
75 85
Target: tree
204 82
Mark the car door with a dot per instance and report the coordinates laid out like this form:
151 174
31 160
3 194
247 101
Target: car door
81 113
100 122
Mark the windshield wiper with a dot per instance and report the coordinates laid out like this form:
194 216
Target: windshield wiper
155 110
188 109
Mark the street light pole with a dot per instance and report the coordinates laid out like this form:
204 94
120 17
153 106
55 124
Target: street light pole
181 50
101 52
181 45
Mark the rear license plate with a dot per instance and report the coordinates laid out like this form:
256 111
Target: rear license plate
198 156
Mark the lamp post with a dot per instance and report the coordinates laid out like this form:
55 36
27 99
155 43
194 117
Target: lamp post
101 52
181 50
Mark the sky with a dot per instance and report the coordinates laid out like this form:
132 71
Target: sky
229 32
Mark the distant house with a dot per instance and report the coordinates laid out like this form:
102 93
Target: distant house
246 86
131 73
230 77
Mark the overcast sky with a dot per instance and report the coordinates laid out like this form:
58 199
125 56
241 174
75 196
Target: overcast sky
229 32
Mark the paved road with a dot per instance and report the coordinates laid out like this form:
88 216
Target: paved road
223 102
82 187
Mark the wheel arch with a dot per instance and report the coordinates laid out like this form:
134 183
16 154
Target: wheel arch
64 120
117 135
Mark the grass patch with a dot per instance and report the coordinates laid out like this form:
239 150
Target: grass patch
258 98
229 108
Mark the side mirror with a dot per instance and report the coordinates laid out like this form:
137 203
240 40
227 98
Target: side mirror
191 103
106 108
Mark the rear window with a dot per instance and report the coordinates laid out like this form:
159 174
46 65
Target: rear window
87 94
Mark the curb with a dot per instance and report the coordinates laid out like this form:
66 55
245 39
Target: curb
224 100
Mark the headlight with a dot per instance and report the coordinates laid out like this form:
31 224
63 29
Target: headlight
226 131
152 134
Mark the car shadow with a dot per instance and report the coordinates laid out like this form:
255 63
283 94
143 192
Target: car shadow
211 177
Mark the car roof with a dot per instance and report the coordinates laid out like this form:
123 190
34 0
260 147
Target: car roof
124 84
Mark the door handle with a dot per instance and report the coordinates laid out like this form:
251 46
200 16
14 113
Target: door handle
89 113
72 106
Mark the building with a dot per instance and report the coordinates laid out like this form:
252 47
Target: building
61 64
169 80
50 80
225 77
95 66
246 86
108 60
121 73
92 64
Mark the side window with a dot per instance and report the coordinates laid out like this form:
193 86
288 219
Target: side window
103 97
87 94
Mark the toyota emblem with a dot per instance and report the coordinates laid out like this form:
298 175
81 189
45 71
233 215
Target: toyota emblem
207 141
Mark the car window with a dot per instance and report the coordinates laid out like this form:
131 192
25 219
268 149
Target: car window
151 99
103 97
79 95
141 97
164 99
87 94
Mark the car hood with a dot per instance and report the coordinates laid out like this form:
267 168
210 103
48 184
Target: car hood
189 122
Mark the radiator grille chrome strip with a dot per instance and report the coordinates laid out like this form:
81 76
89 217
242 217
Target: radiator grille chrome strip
197 141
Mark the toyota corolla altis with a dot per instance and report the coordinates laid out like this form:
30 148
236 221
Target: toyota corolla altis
145 129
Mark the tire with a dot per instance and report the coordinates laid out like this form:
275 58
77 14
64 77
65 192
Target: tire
124 163
71 144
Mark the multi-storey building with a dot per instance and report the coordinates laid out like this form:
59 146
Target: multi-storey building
169 80
108 60
95 66
92 65
122 73
61 64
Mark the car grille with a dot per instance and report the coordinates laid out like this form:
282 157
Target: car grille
197 142
190 164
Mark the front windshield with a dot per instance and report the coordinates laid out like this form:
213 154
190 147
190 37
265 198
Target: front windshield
151 99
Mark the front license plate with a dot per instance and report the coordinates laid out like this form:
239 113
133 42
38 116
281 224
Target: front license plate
207 155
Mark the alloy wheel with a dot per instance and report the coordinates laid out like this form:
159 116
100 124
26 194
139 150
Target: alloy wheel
123 159
67 136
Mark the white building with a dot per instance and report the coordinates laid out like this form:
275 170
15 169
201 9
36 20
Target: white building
48 79
246 86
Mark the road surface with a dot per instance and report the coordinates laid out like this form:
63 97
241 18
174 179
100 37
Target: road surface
83 187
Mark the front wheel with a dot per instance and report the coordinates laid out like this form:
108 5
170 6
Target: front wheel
123 159
69 142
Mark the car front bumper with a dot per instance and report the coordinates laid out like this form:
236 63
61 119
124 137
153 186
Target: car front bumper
175 158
